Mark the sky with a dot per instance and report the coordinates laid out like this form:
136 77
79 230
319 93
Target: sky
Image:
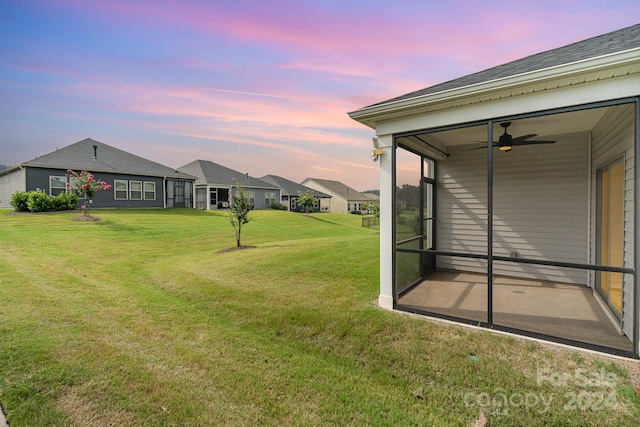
262 87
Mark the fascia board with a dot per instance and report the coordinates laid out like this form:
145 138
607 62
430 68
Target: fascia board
370 115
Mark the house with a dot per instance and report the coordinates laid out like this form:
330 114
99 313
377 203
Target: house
289 191
136 182
344 199
215 185
508 196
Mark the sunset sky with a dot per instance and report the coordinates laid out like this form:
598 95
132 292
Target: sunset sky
260 86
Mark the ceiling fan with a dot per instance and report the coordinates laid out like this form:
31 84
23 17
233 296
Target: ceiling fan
506 141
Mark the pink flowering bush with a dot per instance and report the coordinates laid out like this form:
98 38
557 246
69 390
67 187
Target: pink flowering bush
85 186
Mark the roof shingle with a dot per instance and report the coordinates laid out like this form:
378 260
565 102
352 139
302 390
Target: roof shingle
613 42
80 156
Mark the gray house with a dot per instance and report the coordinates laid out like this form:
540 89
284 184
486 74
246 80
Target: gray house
508 196
136 182
216 183
290 190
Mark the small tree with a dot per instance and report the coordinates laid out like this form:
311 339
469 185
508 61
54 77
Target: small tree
373 208
239 211
85 186
306 201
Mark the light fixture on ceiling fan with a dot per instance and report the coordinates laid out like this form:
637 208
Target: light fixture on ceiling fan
507 142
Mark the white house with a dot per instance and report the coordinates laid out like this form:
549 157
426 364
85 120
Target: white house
534 232
344 199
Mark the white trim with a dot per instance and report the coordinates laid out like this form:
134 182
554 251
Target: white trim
131 190
510 334
590 215
607 311
115 190
592 69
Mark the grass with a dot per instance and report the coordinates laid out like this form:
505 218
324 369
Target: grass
137 320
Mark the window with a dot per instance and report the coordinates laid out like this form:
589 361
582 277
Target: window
135 190
149 190
120 189
269 198
57 185
251 197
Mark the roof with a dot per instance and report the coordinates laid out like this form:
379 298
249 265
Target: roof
208 172
613 42
290 188
340 189
80 156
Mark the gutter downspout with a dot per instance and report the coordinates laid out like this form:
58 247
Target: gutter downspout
164 192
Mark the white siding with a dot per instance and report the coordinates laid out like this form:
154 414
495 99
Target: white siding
11 183
612 139
540 208
336 205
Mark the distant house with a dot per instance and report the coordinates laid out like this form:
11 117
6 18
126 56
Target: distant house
215 184
136 182
289 191
344 199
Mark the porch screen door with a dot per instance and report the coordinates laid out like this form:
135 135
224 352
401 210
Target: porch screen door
611 233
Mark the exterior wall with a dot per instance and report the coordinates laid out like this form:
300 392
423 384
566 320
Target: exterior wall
293 205
336 204
540 208
259 199
325 204
357 205
613 138
9 184
38 178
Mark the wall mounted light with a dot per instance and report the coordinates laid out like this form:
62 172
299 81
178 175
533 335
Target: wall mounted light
376 154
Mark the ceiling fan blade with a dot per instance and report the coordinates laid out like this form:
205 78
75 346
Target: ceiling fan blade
531 142
483 147
523 137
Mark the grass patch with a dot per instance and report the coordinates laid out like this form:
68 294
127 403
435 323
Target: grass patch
139 319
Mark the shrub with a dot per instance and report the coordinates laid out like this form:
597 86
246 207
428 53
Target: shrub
38 201
278 206
64 202
19 201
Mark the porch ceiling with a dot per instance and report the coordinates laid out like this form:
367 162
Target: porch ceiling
545 127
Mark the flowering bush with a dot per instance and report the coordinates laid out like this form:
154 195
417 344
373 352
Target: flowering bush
85 186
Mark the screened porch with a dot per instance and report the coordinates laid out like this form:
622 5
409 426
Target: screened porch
533 233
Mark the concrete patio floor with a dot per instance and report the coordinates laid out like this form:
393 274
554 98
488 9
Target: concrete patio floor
555 309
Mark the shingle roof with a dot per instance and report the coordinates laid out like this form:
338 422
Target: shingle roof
291 188
615 41
80 156
340 189
208 172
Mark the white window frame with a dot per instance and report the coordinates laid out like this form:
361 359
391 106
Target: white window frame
251 197
64 188
116 190
269 198
145 190
140 191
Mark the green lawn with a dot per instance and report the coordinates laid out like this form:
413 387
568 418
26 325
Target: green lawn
138 320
